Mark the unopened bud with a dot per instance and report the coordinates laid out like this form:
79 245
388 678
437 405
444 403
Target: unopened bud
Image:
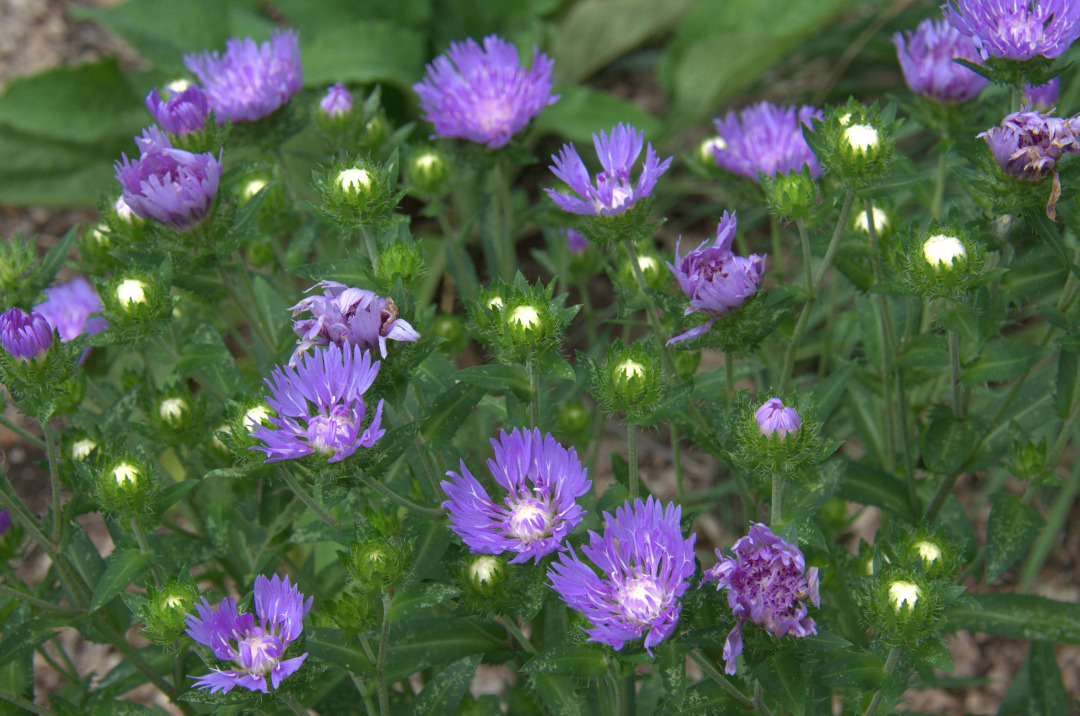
928 551
172 410
942 251
484 570
354 180
706 152
131 291
525 317
861 137
775 418
125 474
81 449
881 221
903 595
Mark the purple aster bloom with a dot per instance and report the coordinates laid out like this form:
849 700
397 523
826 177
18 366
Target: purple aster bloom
320 406
173 186
348 316
714 279
767 582
576 242
1042 97
255 648
644 564
614 193
926 58
765 138
542 480
69 309
775 418
1016 29
337 102
484 95
182 113
250 81
5 521
25 336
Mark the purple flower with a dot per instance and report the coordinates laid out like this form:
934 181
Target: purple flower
1028 144
337 102
485 96
542 480
250 81
182 113
348 316
255 648
169 185
25 336
69 307
576 242
320 406
714 279
767 582
1042 97
926 58
614 193
775 418
5 521
765 138
644 564
1016 29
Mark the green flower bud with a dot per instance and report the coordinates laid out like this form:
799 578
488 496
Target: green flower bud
858 143
706 151
520 322
778 435
164 612
399 260
573 419
174 410
82 449
428 172
943 251
792 195
358 194
631 381
904 596
883 222
17 258
652 269
448 327
944 263
261 253
1028 462
484 571
376 132
124 486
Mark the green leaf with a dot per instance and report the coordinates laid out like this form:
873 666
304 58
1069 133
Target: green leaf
1017 616
1003 361
672 666
442 694
784 679
418 644
1010 532
828 392
1031 273
581 660
409 601
558 695
554 365
1037 689
328 645
349 271
122 570
388 53
962 320
862 671
274 309
926 351
317 18
22 637
428 547
948 442
705 698
1066 382
934 654
867 485
450 411
498 377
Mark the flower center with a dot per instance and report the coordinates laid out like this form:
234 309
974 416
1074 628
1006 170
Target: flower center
259 651
494 113
641 599
328 433
529 521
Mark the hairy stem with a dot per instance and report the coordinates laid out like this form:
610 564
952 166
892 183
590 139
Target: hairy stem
301 492
632 459
396 498
519 636
380 667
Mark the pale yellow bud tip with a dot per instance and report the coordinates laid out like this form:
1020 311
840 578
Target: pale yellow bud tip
131 290
631 369
942 249
861 137
352 180
483 569
525 316
125 473
903 593
81 449
881 221
172 409
929 551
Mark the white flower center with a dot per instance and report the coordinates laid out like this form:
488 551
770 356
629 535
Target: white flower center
525 316
903 593
641 599
81 449
529 521
941 249
352 180
178 86
861 137
131 290
631 369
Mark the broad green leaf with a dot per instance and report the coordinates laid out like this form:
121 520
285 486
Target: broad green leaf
948 442
934 654
418 644
672 666
554 365
1031 273
1065 394
784 679
583 111
450 411
962 320
22 634
498 377
328 645
827 393
580 660
1003 361
372 51
867 485
1010 532
926 351
442 694
558 695
428 546
123 568
1017 616
318 17
409 601
863 671
1037 689
705 697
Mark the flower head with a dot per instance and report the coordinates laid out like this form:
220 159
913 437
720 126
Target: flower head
25 336
1028 144
484 95
1016 29
775 418
182 113
926 58
69 307
346 316
337 101
542 480
255 648
169 185
765 138
714 279
613 193
320 406
645 567
767 582
249 81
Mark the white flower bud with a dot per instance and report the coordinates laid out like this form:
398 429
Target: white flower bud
707 150
123 210
131 291
178 86
172 410
862 138
904 594
353 180
81 449
881 221
647 263
928 551
495 302
631 369
125 473
943 250
484 569
253 187
525 316
255 417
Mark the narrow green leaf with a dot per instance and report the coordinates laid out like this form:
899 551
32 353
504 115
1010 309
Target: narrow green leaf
926 351
421 643
1017 616
962 320
580 660
1010 532
122 570
1003 361
450 411
498 377
864 671
1066 382
328 645
827 393
442 694
934 654
429 544
349 271
556 366
1037 689
948 442
785 679
558 695
672 666
409 601
867 485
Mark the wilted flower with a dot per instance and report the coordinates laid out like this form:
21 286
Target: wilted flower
714 279
484 95
337 102
614 193
169 185
249 81
1028 144
1016 29
767 582
1042 97
943 250
775 418
645 565
320 406
69 307
926 58
765 138
182 113
25 336
346 316
257 649
543 481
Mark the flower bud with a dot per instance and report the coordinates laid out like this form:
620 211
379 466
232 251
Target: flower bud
631 381
338 102
448 327
942 251
252 187
25 336
123 211
903 595
792 195
399 260
928 551
124 486
165 610
524 321
428 172
775 418
862 138
485 571
882 223
774 437
573 420
173 410
360 194
82 448
706 151
131 292
354 181
256 415
177 86
858 143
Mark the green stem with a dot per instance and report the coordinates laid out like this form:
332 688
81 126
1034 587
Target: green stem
618 704
804 240
954 372
777 245
676 457
380 667
52 452
939 187
396 498
39 603
369 244
165 348
534 404
144 548
22 433
1051 531
654 321
500 209
15 507
25 704
890 666
632 459
729 376
519 636
289 699
713 673
71 675
759 699
942 494
777 505
301 492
